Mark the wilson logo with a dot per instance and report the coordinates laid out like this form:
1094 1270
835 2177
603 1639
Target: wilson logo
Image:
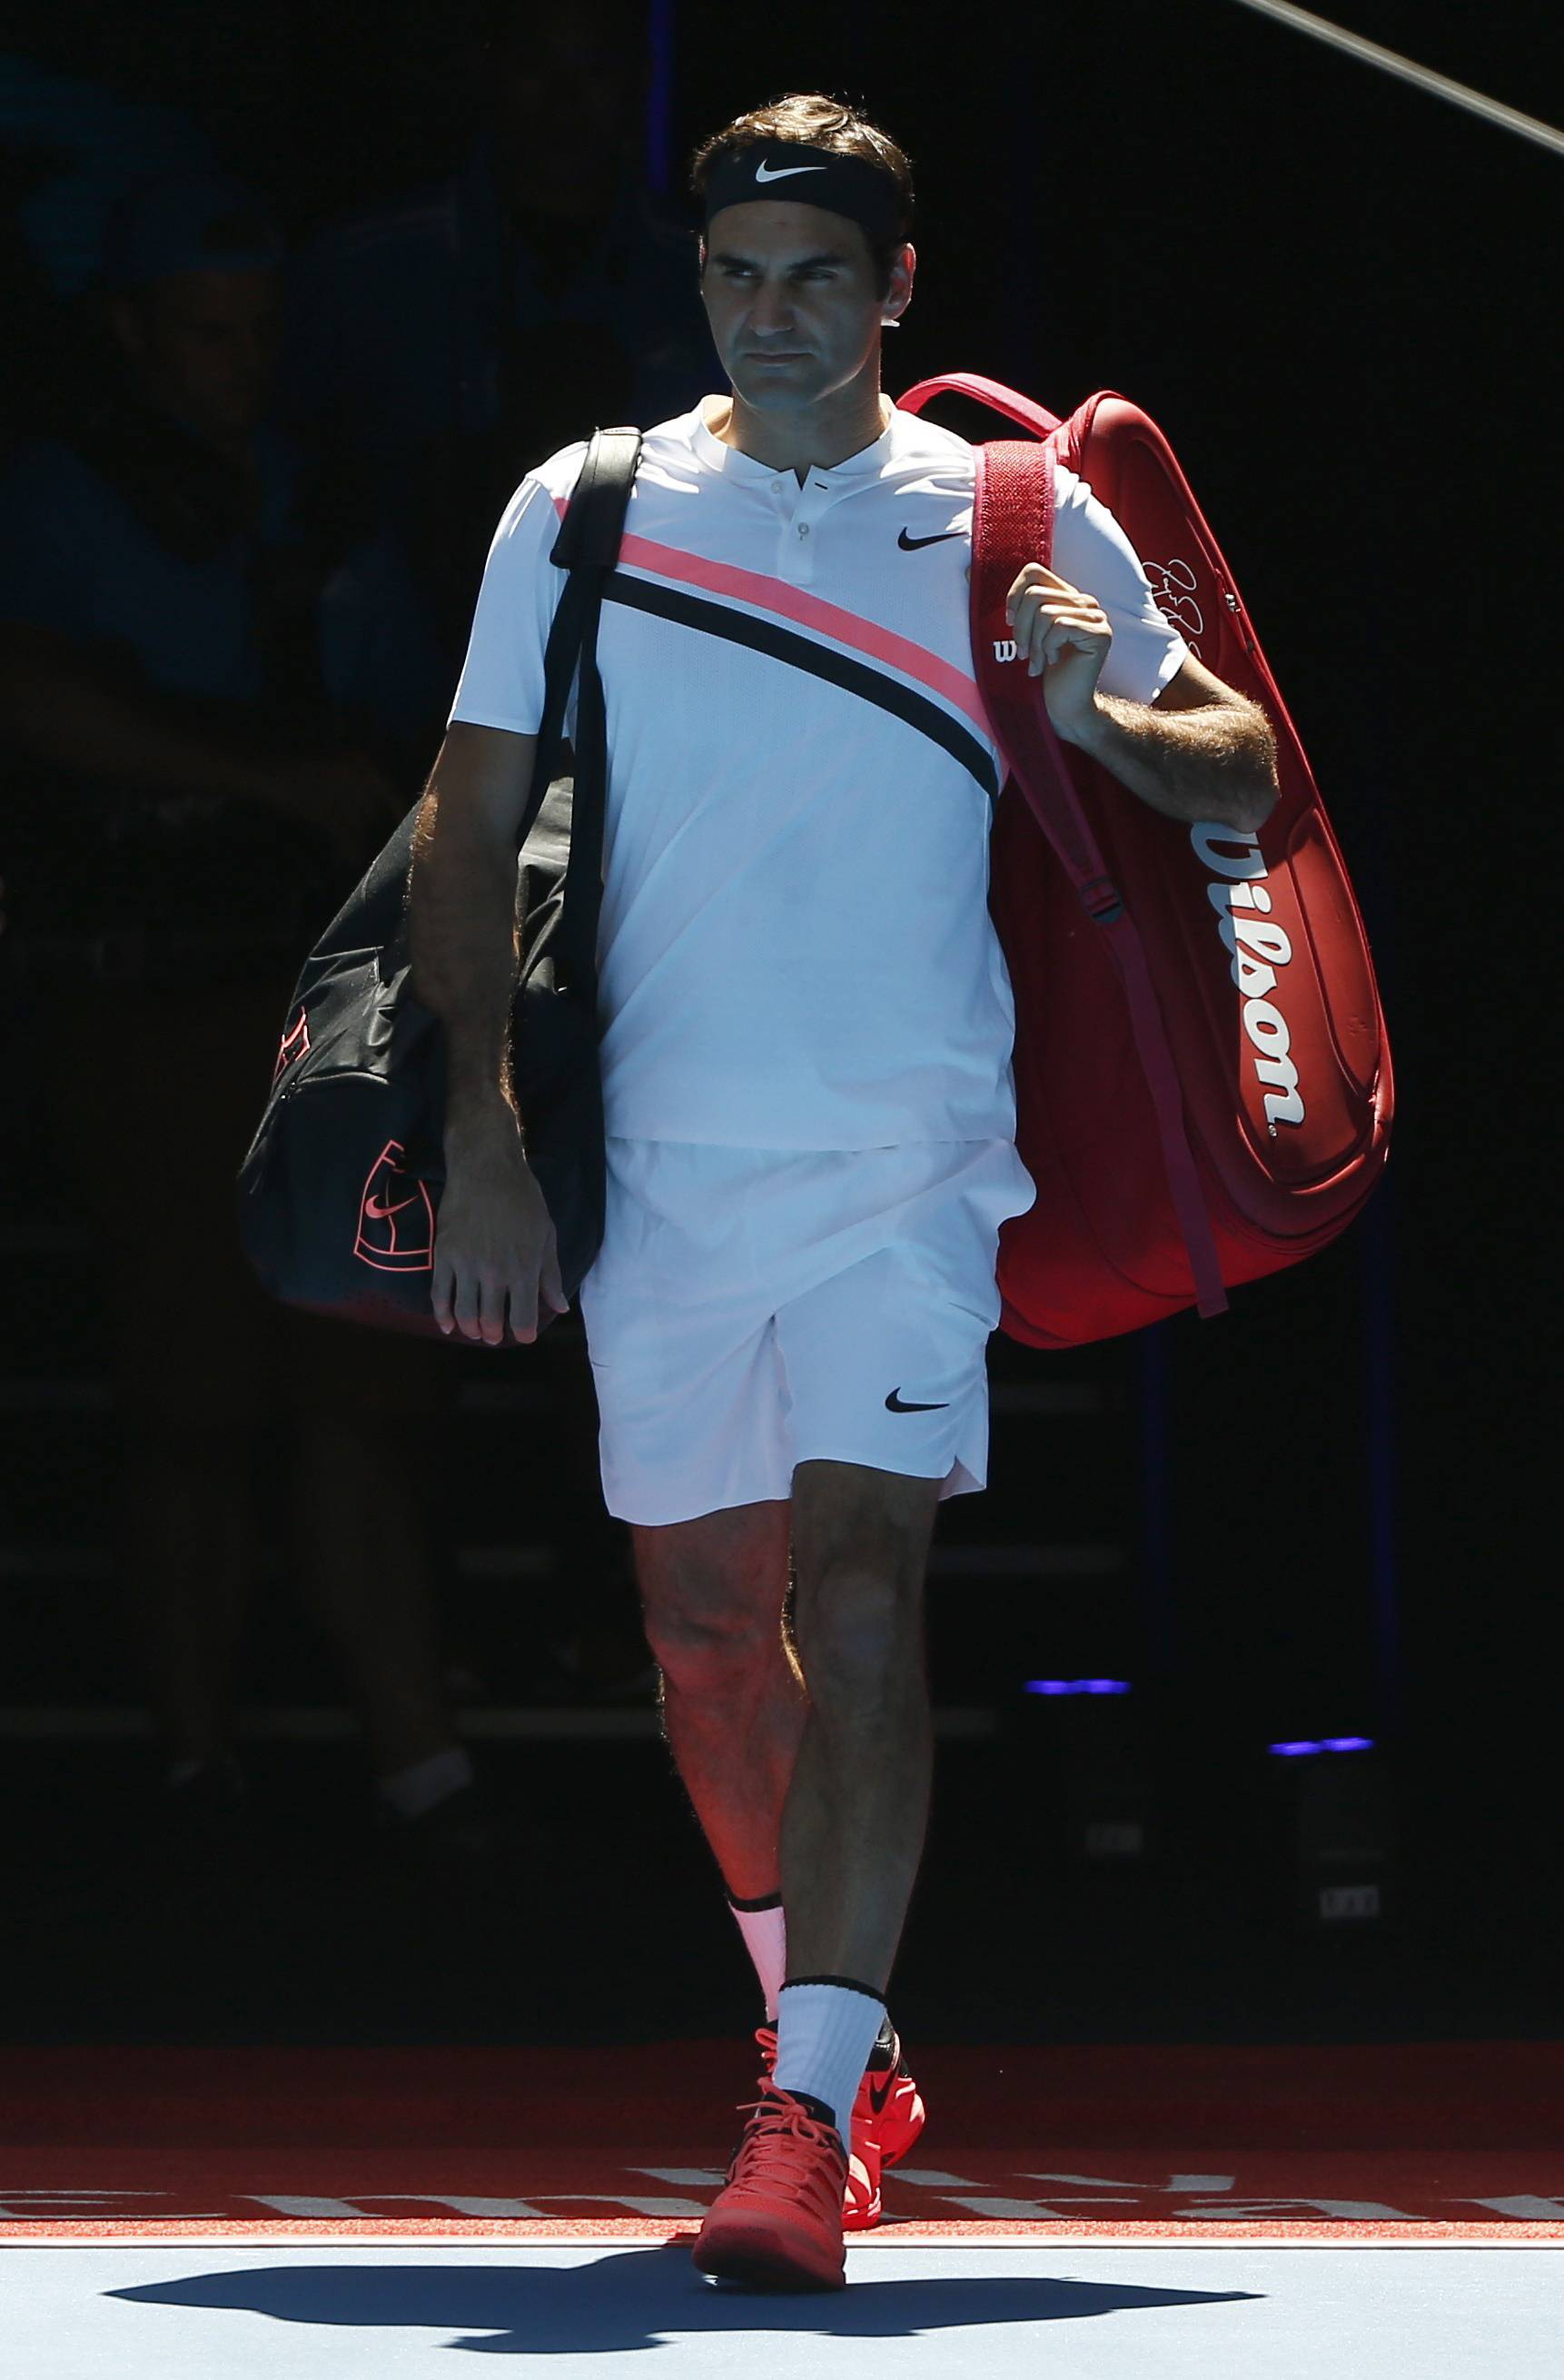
1004 649
1257 947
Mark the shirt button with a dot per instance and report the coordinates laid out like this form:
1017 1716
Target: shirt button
803 529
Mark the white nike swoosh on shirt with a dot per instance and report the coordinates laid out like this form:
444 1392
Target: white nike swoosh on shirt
779 173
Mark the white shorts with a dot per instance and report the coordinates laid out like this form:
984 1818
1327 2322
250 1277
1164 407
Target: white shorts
751 1309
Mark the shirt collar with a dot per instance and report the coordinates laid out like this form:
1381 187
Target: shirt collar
867 463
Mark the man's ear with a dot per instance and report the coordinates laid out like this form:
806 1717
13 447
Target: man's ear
899 296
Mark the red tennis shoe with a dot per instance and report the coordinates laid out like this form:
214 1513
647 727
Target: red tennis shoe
777 2223
888 2116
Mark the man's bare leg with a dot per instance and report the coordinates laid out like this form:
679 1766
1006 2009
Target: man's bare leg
857 1809
712 1593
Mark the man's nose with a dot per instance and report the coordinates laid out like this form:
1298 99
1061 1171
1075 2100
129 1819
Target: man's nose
772 309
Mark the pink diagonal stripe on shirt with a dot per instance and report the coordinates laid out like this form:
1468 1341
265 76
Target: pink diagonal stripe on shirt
844 627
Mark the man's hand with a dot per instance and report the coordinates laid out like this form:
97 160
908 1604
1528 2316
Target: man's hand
1063 634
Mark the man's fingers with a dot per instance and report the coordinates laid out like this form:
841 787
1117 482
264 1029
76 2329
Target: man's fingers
1035 574
494 1288
440 1298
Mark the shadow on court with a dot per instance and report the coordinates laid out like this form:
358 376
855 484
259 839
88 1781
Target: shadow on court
638 2299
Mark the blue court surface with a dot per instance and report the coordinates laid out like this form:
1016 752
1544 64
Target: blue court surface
1223 2312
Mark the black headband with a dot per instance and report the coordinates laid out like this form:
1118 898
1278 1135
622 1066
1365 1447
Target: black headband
815 177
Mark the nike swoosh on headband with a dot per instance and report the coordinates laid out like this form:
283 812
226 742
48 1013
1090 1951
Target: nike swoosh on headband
779 173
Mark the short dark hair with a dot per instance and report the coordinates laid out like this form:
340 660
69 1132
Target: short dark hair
825 123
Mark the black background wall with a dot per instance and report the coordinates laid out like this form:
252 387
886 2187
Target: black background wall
1338 296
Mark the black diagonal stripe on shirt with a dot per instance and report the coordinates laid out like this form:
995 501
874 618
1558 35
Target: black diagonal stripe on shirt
801 652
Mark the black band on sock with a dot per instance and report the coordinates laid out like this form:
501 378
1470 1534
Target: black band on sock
843 1983
818 2109
767 1900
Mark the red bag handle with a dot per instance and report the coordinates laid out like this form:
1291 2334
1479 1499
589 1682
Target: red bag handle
1008 401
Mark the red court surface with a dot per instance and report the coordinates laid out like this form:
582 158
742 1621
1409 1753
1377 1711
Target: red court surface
1422 2144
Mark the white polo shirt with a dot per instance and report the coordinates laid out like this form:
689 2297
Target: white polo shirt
795 950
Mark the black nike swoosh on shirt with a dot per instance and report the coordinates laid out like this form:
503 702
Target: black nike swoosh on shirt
910 544
893 1404
765 636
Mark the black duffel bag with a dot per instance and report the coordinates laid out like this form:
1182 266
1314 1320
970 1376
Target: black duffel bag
340 1188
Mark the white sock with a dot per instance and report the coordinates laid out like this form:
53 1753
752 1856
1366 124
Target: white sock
417 1787
765 1937
825 2032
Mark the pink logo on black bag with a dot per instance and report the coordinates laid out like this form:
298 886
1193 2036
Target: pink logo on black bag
294 1045
395 1231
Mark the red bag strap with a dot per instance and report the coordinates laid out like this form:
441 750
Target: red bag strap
1012 524
1008 401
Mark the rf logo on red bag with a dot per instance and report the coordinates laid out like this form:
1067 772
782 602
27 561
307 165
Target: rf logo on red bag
396 1230
294 1045
1175 589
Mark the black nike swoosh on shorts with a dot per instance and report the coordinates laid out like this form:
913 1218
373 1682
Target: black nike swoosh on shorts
910 544
893 1404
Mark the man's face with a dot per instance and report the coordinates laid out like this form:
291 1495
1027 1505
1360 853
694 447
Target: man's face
791 296
203 345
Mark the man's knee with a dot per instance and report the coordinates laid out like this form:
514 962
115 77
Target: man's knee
860 1640
861 1541
707 1656
712 1593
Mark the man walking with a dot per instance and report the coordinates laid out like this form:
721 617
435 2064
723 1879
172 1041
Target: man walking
806 1034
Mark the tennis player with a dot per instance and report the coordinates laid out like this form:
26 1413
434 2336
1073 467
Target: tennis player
807 1027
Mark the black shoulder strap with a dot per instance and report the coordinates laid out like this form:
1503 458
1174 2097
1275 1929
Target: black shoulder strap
594 518
588 546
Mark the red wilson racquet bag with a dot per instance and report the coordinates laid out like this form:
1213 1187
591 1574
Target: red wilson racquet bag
1202 1080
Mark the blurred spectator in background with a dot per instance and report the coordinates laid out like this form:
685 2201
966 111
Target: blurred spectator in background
182 815
69 147
439 348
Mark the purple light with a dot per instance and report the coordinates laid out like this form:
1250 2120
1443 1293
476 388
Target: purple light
1327 1744
1077 1686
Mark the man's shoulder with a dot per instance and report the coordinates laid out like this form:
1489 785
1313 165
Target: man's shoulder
919 443
665 442
558 472
914 438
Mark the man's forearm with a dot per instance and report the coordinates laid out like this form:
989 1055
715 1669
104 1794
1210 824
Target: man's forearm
1213 762
462 941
